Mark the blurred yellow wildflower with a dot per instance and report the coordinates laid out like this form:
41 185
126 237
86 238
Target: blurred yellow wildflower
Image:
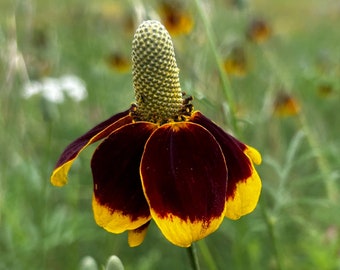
236 62
118 62
175 17
325 90
258 31
286 105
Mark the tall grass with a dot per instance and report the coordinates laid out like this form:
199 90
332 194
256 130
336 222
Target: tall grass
296 224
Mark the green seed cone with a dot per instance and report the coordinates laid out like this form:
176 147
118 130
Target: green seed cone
155 74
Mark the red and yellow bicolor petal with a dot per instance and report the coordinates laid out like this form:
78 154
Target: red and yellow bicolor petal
118 199
184 178
136 236
244 184
71 152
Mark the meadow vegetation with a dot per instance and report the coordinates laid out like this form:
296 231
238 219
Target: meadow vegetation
267 71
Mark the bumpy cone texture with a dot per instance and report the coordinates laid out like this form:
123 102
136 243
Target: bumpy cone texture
155 74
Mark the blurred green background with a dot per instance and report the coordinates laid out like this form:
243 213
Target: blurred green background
282 61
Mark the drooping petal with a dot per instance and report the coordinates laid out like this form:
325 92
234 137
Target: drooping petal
245 197
118 202
244 184
184 178
71 152
136 237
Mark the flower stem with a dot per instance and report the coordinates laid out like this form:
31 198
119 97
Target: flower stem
272 236
206 254
192 252
226 86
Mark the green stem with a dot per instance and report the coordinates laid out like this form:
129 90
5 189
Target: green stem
208 258
271 232
329 179
192 252
226 86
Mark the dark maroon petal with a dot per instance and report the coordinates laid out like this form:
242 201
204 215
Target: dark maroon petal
238 163
119 202
71 152
184 179
107 126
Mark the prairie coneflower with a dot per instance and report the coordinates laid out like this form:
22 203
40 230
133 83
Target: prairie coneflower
325 90
286 105
259 31
175 18
236 62
162 160
118 62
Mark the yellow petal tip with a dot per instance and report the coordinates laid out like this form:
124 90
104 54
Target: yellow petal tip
253 154
114 221
136 237
59 175
183 233
245 198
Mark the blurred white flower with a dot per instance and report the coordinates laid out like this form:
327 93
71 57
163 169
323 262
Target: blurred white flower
51 90
32 88
54 89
